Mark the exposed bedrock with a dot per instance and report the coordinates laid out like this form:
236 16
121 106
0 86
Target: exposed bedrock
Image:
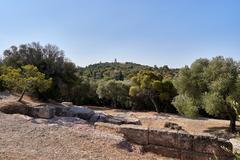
66 109
178 144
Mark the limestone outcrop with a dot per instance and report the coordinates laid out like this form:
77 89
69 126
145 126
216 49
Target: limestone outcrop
14 107
42 111
66 109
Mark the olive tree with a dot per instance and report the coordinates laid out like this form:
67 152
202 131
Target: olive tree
153 87
212 85
115 91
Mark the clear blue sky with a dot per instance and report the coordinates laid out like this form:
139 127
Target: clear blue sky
152 32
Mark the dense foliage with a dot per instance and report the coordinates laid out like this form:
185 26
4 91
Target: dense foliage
207 87
114 70
116 92
49 60
150 85
25 79
210 85
121 71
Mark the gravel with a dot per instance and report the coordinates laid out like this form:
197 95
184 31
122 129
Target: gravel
26 138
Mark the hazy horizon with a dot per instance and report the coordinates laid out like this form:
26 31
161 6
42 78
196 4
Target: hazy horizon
156 32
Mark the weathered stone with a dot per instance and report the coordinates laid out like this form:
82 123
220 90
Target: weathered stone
212 145
98 117
22 117
62 110
102 117
69 104
80 112
67 121
107 126
134 133
42 111
173 126
190 155
132 121
164 151
122 120
167 138
185 141
14 107
94 118
115 120
178 144
236 144
40 121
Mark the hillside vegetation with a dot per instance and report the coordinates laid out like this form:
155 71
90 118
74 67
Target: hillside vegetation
121 71
207 87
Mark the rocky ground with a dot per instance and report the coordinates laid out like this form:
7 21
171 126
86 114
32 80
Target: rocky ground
26 138
201 125
69 138
196 126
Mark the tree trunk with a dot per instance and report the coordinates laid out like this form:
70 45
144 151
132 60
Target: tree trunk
23 92
232 117
155 105
133 108
233 124
133 104
114 103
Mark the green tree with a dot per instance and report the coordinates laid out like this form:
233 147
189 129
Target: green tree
210 85
84 92
115 91
25 79
123 71
185 105
152 86
50 60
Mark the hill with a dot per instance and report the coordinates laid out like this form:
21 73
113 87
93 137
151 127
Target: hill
121 71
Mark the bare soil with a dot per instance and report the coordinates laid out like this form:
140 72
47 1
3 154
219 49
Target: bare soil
26 138
61 138
199 125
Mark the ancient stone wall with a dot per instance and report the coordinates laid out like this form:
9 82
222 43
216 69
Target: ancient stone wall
178 144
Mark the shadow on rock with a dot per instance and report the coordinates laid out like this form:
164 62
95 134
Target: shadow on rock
125 146
221 132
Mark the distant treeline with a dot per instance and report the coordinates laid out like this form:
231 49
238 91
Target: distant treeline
207 87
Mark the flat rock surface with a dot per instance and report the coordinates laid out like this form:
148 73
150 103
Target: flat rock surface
26 138
236 144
